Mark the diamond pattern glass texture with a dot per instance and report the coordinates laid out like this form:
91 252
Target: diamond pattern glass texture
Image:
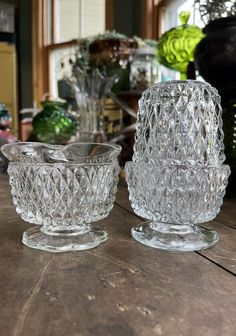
180 122
177 178
63 190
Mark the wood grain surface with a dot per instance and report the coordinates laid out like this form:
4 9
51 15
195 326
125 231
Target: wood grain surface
121 288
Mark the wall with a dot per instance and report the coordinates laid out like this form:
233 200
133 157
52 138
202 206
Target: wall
25 54
23 29
127 17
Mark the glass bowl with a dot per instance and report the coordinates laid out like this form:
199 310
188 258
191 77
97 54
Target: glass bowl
175 199
63 196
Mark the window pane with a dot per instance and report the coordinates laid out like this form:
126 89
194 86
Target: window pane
48 28
93 17
60 64
68 14
175 7
79 18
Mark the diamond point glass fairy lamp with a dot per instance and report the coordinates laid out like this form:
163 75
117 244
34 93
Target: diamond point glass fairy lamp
176 46
62 189
177 178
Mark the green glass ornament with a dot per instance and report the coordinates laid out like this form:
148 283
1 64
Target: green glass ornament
53 124
176 46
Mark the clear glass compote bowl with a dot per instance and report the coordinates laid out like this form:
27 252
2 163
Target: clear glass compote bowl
63 189
176 200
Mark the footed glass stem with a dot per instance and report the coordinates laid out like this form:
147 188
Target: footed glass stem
173 237
60 240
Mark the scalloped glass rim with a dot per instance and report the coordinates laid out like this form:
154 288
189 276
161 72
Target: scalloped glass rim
105 153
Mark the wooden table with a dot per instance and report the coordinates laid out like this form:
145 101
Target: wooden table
121 288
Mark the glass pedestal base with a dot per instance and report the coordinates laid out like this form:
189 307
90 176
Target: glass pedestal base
174 237
64 242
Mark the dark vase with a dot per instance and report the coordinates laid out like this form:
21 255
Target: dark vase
229 127
215 56
53 124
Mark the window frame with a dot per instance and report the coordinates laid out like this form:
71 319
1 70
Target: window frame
153 13
41 49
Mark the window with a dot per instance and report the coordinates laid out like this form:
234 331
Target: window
71 20
59 64
78 18
57 25
68 20
172 10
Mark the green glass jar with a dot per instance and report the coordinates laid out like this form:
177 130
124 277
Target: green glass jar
53 124
176 47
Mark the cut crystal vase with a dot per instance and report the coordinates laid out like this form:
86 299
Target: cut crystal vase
63 189
90 89
177 178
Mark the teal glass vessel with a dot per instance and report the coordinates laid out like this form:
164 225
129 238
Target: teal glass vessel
54 125
176 47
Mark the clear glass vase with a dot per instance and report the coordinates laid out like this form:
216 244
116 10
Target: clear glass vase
90 89
63 190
